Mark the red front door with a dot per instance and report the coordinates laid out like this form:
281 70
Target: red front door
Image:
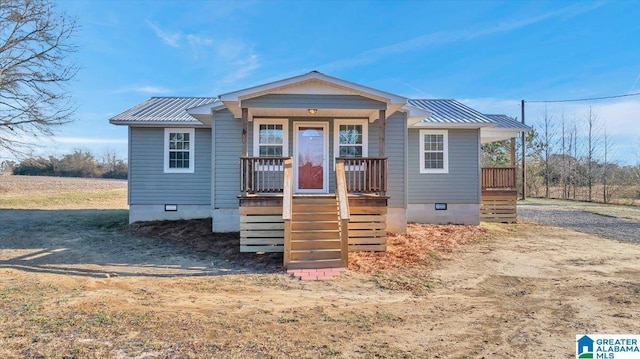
311 154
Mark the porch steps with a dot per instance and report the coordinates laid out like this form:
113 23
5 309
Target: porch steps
315 233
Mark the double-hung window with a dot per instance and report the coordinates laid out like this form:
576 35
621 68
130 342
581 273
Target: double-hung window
350 138
179 146
270 138
434 151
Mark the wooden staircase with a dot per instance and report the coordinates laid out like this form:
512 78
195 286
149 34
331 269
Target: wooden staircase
315 233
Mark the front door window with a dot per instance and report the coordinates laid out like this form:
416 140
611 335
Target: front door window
311 157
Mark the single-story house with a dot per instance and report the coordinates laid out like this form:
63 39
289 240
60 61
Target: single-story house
311 165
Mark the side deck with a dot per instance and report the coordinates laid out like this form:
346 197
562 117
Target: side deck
499 195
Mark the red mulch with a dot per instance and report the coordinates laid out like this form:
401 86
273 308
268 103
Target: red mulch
420 246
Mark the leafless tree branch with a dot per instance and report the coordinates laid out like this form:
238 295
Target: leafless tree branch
35 46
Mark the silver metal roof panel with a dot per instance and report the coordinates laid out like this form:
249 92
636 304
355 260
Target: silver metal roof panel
504 121
449 111
162 110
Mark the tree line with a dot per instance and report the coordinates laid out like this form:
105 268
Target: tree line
571 159
76 164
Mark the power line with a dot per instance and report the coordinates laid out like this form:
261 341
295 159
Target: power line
585 99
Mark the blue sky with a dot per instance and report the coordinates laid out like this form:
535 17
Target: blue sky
488 54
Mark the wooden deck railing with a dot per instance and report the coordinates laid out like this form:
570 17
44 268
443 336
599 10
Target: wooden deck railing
261 174
287 207
365 175
343 211
498 177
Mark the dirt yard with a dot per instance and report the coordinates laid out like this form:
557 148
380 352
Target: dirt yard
74 284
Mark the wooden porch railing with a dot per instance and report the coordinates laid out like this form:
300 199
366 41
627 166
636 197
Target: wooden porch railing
365 174
261 174
499 177
287 208
343 211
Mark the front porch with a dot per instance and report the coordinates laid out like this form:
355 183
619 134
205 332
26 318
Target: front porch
313 229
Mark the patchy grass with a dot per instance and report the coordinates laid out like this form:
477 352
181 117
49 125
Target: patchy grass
440 291
68 200
41 192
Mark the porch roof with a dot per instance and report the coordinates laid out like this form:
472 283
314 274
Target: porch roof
506 128
504 121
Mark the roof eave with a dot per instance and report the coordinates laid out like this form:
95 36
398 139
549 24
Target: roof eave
156 123
495 134
451 125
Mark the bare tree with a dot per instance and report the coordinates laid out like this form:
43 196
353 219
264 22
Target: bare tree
35 44
548 135
573 140
592 123
606 191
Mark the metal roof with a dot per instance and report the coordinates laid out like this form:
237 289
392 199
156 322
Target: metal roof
504 121
162 110
449 111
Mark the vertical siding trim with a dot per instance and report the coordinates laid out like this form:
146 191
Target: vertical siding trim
479 163
129 165
406 159
213 160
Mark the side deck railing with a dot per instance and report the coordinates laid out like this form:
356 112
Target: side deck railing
499 177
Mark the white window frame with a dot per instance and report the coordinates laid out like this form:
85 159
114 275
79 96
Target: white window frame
192 145
270 121
445 151
336 136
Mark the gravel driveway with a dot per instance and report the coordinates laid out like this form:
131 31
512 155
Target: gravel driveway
581 221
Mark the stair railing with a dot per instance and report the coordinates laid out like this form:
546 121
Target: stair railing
287 204
343 210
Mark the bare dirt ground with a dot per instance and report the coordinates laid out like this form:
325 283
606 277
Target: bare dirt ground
503 291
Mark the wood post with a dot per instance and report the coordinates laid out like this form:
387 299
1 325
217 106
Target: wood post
512 142
245 129
382 131
524 155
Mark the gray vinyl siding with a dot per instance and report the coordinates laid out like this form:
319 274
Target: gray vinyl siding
314 101
148 184
227 152
396 127
460 185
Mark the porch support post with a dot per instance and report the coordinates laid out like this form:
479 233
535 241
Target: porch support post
245 128
512 142
382 131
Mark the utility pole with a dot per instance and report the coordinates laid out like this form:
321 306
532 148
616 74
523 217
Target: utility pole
524 152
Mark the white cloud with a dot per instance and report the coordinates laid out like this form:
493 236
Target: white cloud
446 37
195 40
89 140
243 68
234 57
144 89
169 38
